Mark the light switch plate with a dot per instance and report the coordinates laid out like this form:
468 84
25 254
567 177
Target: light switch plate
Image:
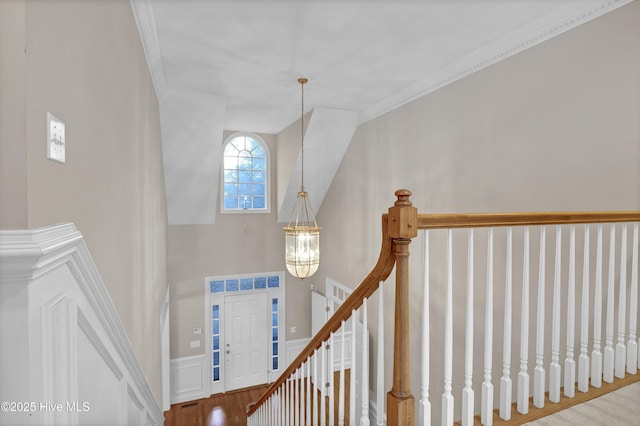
195 344
55 139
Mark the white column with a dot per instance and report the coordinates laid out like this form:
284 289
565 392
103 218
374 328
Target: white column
569 362
505 381
523 375
596 355
447 396
632 345
538 372
380 394
364 417
621 348
486 412
554 368
609 353
467 392
583 359
425 405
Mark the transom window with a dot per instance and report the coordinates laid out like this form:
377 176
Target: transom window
245 174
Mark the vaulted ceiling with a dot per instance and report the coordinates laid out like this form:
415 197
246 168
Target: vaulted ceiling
233 64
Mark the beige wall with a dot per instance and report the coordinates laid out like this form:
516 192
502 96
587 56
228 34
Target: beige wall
84 63
556 127
235 244
13 174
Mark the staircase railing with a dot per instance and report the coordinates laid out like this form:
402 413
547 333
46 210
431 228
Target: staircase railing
305 392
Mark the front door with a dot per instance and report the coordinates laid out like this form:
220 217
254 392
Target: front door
247 332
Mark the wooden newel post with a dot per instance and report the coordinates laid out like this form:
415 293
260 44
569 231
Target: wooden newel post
403 226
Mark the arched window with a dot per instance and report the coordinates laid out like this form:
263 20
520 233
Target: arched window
245 182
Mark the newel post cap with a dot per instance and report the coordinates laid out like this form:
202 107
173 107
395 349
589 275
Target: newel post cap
403 217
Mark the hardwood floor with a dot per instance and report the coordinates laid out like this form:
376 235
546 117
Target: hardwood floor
227 409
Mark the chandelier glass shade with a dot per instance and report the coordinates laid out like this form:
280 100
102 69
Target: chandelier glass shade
302 234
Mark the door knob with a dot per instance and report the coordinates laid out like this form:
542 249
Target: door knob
228 351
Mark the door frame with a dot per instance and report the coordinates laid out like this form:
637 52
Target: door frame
219 299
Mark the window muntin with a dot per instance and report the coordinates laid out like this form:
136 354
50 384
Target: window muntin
245 170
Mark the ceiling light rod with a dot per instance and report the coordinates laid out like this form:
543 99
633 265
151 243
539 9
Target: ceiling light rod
302 234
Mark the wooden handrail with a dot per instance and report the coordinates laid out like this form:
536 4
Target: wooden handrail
477 220
367 287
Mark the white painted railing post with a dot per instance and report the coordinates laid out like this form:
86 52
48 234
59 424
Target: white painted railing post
323 385
609 353
364 417
621 348
354 367
341 390
467 392
330 382
424 400
505 381
317 390
309 403
380 394
486 413
538 372
569 362
596 355
523 375
554 368
447 397
632 345
583 359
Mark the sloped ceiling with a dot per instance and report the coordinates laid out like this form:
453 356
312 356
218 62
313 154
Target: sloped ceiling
363 56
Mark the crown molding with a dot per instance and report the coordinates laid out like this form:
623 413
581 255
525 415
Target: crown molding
145 21
543 29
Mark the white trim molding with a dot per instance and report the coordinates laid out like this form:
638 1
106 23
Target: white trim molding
60 334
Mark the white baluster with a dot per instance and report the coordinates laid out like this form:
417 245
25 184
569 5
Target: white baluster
609 353
621 348
292 400
467 392
330 381
380 394
287 402
554 368
505 381
364 418
424 399
583 359
447 397
486 412
632 345
354 365
523 375
569 362
596 355
323 385
341 390
317 388
538 372
308 406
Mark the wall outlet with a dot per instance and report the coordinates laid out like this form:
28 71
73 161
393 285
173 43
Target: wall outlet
195 344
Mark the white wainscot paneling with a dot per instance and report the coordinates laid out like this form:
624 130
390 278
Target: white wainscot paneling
188 379
63 348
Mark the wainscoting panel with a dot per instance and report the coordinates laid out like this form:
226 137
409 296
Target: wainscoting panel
188 379
65 358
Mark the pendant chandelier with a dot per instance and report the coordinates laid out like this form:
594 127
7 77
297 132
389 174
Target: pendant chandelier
302 234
